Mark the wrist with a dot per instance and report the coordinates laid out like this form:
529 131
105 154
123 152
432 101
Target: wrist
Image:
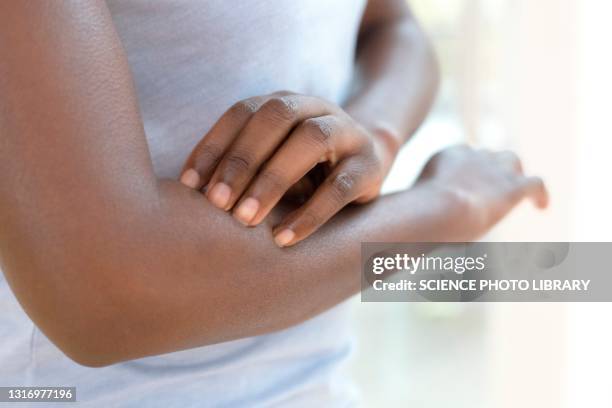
387 139
387 144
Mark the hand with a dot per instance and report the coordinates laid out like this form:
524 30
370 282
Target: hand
484 185
263 146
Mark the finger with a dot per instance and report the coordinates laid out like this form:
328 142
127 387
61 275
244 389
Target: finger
342 187
313 141
307 185
259 139
535 189
205 156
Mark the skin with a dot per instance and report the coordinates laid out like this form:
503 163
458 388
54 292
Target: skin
264 146
113 263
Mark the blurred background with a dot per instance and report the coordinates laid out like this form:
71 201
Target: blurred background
535 77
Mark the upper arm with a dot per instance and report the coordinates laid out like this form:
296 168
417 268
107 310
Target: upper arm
69 124
73 155
73 151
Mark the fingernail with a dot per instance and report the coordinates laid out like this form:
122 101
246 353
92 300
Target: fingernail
247 210
219 195
190 178
284 237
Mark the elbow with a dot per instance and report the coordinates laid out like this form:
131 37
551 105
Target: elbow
93 329
89 358
88 347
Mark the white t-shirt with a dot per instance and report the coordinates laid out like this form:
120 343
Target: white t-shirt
191 60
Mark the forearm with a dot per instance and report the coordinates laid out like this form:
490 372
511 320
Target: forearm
255 287
398 73
183 274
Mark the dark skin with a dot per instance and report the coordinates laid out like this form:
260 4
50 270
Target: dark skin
262 146
113 263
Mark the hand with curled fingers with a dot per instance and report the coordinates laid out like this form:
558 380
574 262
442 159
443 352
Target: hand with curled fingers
484 186
263 146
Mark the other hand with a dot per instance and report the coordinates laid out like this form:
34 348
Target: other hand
484 185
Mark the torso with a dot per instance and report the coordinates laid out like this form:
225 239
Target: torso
192 60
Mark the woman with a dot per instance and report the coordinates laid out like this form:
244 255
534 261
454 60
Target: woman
120 267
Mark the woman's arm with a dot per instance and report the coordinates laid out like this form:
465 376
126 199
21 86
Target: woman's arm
113 264
398 73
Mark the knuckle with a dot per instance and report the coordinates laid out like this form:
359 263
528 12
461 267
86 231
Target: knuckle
309 219
516 160
273 181
284 92
537 183
281 109
207 156
342 185
243 108
511 160
238 162
318 131
518 166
